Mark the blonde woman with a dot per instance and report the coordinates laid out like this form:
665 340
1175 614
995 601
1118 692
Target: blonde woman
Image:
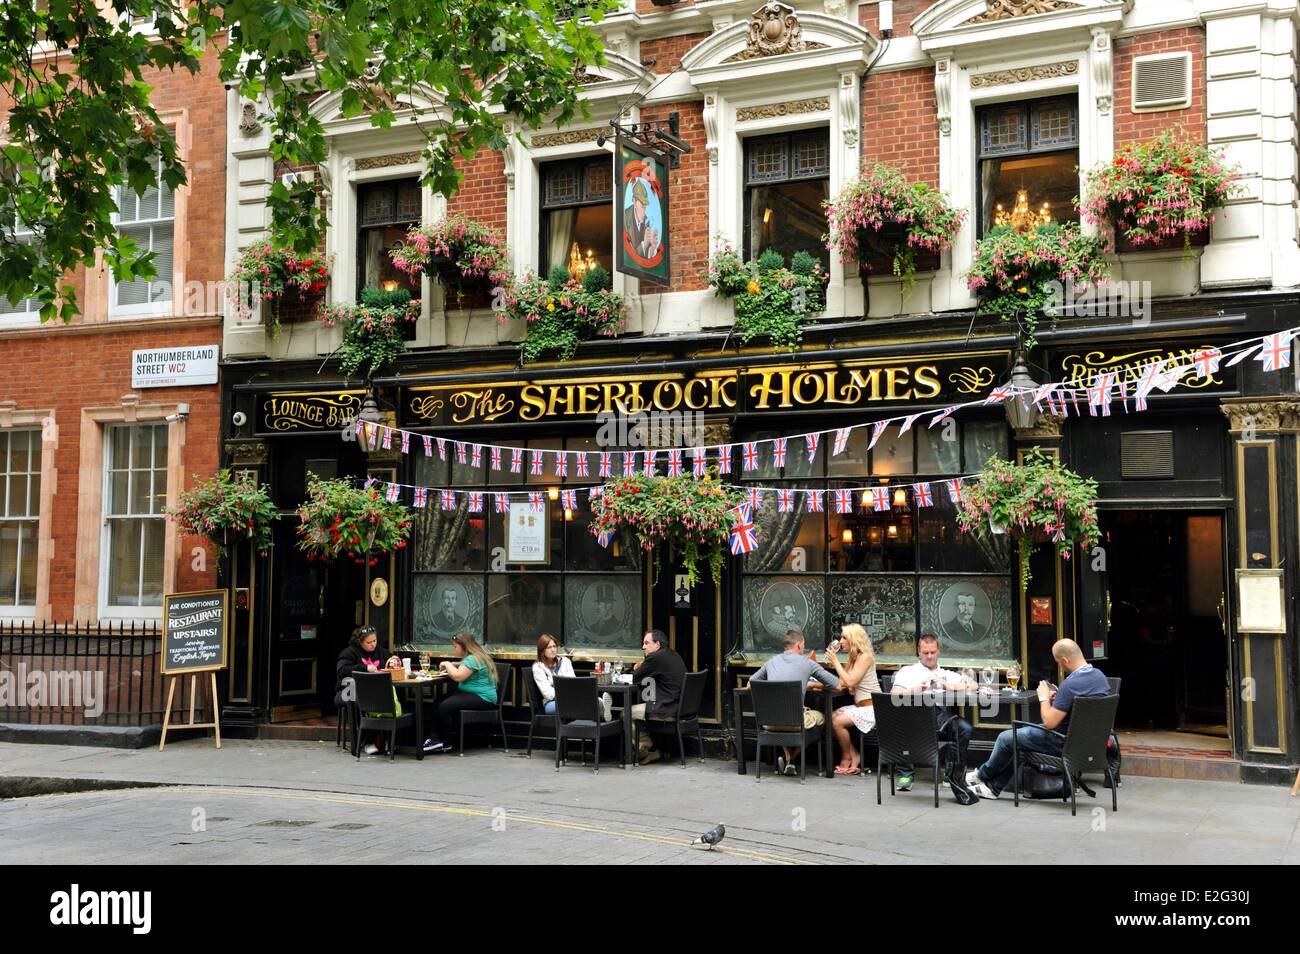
476 675
860 679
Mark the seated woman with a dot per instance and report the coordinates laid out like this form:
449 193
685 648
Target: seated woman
476 675
860 678
549 665
361 654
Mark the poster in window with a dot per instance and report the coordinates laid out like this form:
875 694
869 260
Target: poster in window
885 606
971 615
776 604
642 214
443 606
603 612
526 529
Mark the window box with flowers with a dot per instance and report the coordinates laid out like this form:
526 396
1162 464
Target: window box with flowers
372 331
1159 194
227 511
884 222
461 253
689 515
342 521
283 285
1038 500
770 299
1019 274
559 312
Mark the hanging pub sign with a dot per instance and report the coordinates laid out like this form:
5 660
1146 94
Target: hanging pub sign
302 412
818 386
643 246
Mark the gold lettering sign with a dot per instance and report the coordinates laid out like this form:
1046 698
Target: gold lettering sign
309 411
1078 370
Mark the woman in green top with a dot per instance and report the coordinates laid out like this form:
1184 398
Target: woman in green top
476 673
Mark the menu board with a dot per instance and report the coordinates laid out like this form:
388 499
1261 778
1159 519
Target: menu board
194 632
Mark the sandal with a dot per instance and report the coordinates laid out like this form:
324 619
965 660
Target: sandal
845 770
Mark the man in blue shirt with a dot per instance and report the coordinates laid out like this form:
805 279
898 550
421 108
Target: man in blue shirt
793 666
1082 680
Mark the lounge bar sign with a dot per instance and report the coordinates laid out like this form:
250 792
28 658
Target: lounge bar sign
1078 368
296 412
779 388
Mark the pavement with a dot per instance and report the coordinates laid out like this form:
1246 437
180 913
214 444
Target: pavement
308 802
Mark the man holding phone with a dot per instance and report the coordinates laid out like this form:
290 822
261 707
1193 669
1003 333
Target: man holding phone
924 675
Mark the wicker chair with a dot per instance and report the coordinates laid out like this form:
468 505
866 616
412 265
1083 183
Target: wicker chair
779 703
1083 747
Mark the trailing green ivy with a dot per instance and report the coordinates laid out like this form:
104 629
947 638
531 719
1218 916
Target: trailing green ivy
770 299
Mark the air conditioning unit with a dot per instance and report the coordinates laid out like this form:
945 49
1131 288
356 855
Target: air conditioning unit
1163 81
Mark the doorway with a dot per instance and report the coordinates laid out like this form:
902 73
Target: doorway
1165 578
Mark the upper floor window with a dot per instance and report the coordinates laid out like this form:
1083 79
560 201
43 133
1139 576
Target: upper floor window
25 309
20 504
1030 148
578 214
787 178
385 211
150 220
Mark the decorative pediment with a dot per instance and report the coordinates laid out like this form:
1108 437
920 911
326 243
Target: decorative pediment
1013 25
1007 9
783 40
773 30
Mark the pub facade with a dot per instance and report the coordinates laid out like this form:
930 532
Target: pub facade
776 107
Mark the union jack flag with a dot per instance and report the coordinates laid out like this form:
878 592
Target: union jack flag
561 464
359 426
535 501
743 536
569 499
392 492
501 502
750 454
606 464
999 394
877 429
475 502
946 412
921 493
449 500
460 452
516 461
604 538
580 465
1123 394
1206 361
388 438
406 442
370 482
372 433
879 498
496 458
724 459
1043 392
651 462
442 448
674 463
841 440
778 452
843 501
814 501
907 424
476 455
954 491
1276 353
811 440
700 465
535 463
754 497
785 500
428 446
1099 395
421 497
629 463
595 492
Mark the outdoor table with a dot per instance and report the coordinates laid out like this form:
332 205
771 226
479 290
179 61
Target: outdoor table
625 696
825 698
417 687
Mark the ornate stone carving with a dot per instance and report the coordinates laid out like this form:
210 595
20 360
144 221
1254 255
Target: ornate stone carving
1048 428
1008 9
1280 415
717 432
1101 71
1025 74
571 137
246 452
772 110
383 162
248 124
711 128
773 30
849 109
943 96
585 78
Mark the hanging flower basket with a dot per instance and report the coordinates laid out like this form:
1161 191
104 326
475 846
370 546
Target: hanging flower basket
771 299
1162 193
372 331
1036 501
226 511
883 222
342 521
560 312
456 250
1019 275
691 515
286 286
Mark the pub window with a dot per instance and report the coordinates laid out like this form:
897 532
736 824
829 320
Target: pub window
20 498
577 215
787 178
135 494
150 221
385 211
1028 155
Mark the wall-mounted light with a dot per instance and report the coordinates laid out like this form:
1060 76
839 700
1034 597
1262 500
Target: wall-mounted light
900 497
874 535
847 536
892 531
568 516
388 285
553 493
886 18
767 216
866 498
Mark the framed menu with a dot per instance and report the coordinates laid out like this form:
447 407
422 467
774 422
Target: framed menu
1261 601
526 533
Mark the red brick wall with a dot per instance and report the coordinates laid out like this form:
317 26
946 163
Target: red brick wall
482 193
900 125
644 7
1131 126
688 200
668 51
905 11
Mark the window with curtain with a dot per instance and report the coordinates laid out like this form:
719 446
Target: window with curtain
385 211
1031 148
135 494
787 178
150 221
577 214
20 499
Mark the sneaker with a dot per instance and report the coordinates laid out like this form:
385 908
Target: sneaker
904 783
371 749
430 746
979 786
780 765
791 768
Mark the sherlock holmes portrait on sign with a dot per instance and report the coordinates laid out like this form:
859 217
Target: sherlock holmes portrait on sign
643 214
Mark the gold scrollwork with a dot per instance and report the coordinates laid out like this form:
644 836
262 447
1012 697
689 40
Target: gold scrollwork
1078 370
426 408
317 412
972 380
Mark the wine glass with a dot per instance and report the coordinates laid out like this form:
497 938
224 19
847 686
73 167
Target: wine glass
987 677
1013 675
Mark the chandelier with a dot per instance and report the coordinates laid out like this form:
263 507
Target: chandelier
1021 218
579 267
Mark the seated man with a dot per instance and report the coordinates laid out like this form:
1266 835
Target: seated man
993 776
658 679
925 675
793 666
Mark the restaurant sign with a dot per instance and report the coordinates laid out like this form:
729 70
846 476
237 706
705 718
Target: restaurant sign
302 412
829 386
1078 367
